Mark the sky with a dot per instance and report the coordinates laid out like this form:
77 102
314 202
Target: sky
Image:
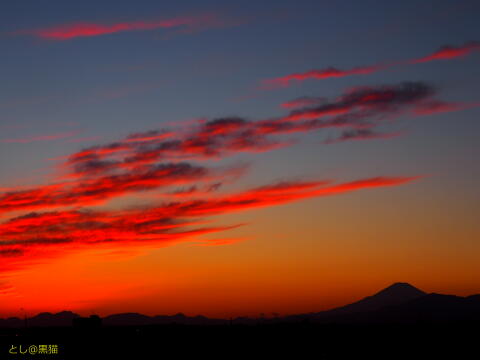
236 158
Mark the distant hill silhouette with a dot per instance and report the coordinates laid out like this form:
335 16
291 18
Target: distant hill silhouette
140 319
63 318
398 303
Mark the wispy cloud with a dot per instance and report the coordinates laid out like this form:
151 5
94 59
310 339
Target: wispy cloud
90 29
446 52
362 134
320 74
6 289
369 100
162 223
303 102
437 106
99 189
219 242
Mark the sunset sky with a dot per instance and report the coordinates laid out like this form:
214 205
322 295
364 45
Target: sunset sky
232 158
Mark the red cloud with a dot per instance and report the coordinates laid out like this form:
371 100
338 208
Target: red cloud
445 53
100 189
303 101
278 194
89 29
449 52
436 106
321 74
159 224
369 100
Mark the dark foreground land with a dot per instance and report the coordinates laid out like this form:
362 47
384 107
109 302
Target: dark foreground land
456 340
398 322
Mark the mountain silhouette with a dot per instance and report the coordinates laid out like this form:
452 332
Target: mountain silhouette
127 319
399 302
63 318
394 294
404 303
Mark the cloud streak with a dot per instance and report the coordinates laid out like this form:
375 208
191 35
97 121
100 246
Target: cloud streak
369 100
99 189
320 74
303 102
446 52
91 29
162 223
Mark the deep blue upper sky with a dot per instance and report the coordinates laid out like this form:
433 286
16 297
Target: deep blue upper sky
108 86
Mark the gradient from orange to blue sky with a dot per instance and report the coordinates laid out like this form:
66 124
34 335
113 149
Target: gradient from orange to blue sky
236 159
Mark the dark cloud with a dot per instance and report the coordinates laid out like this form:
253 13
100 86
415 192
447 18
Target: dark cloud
361 134
97 189
374 99
10 252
